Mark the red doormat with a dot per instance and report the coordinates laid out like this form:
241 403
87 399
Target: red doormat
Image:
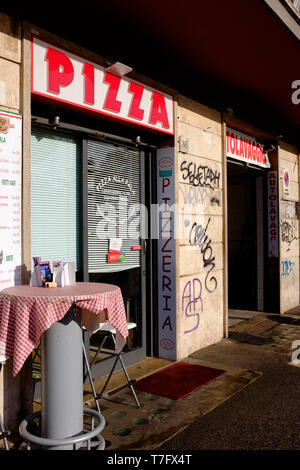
177 380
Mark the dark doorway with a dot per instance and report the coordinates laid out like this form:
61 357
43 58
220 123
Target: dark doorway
245 237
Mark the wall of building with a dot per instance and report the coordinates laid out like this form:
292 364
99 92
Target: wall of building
199 194
289 229
10 63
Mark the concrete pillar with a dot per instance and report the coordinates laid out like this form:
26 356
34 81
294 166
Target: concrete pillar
15 393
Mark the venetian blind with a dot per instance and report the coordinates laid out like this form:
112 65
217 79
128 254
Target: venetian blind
55 203
113 204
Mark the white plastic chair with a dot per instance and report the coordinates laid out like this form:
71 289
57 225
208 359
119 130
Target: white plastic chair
3 434
110 331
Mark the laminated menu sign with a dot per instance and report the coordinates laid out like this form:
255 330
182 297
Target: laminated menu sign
44 272
10 198
116 251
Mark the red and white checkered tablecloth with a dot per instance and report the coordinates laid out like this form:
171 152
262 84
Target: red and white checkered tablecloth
27 312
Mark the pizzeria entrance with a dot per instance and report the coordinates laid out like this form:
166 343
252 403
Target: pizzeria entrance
115 211
89 206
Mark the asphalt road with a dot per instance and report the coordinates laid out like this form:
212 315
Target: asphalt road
263 416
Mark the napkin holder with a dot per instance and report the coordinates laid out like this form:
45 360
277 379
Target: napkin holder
35 279
64 275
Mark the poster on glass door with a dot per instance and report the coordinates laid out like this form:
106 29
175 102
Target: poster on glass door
10 199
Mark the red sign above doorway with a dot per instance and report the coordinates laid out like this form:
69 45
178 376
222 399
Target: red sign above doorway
245 148
60 75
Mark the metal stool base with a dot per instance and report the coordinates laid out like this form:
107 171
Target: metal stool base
129 383
84 439
4 434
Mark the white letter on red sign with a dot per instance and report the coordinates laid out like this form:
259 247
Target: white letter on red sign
60 70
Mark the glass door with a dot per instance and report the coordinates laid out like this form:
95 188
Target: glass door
115 227
55 206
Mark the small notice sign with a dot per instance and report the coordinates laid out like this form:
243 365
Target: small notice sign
286 183
116 251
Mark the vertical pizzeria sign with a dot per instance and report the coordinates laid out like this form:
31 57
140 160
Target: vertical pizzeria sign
166 255
10 198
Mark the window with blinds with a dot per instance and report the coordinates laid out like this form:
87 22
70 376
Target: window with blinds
55 197
113 205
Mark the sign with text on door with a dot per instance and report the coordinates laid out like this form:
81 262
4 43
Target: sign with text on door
61 75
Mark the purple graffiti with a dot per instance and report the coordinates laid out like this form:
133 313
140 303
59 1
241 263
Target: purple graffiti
191 297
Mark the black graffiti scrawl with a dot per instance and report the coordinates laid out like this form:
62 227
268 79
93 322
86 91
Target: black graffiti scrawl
200 175
288 232
198 237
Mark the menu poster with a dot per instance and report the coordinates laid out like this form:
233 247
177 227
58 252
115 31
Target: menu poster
116 251
45 272
10 199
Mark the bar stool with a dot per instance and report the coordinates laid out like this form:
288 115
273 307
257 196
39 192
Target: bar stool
36 366
3 434
109 331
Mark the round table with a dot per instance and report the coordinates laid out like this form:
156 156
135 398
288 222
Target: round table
30 313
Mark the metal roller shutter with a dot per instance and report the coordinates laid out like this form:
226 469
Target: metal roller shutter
113 204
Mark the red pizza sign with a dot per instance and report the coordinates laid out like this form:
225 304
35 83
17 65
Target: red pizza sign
63 76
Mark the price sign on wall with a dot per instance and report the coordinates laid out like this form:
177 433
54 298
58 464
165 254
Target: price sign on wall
10 198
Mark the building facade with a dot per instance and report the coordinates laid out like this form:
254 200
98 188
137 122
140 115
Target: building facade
190 210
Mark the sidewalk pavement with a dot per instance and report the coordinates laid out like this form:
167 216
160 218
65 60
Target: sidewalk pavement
160 419
253 339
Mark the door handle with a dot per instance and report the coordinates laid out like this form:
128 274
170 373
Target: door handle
144 246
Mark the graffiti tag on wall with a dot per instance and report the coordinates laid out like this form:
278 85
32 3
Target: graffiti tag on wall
288 232
200 175
287 267
192 304
201 191
198 237
197 196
